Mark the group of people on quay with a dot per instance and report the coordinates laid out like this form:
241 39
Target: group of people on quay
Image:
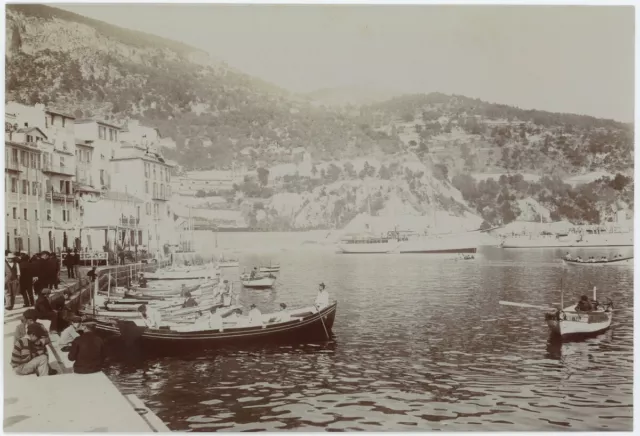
592 259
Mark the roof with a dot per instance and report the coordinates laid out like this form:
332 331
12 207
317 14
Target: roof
104 123
57 112
31 129
86 143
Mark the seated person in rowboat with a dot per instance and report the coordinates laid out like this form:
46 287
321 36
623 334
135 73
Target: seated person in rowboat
150 316
142 281
283 315
254 273
584 305
211 320
322 299
189 301
255 316
567 256
604 259
578 259
234 318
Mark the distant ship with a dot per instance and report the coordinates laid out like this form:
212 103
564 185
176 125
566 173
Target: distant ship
439 244
368 243
591 238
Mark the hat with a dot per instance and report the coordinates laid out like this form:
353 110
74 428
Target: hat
322 285
10 256
30 314
37 330
283 305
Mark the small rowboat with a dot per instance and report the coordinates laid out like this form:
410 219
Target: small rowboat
192 274
613 262
260 282
270 269
306 327
569 322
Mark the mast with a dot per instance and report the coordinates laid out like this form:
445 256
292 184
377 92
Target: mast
53 233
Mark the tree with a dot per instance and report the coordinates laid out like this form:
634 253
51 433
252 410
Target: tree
201 193
384 172
314 170
263 176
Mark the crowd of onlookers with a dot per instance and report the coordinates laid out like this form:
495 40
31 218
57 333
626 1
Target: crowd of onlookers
35 277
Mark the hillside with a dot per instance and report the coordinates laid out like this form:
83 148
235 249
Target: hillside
219 116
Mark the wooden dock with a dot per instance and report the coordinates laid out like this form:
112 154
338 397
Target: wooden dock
68 402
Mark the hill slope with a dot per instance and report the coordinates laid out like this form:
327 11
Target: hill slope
218 115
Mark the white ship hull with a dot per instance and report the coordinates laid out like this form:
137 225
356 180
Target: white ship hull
438 245
369 248
264 282
574 241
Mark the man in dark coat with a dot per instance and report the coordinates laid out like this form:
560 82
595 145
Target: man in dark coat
53 268
46 311
26 281
68 262
87 351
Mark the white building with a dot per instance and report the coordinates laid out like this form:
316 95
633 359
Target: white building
138 135
104 138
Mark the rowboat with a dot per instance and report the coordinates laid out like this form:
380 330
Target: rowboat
613 262
260 282
570 322
201 273
270 269
308 326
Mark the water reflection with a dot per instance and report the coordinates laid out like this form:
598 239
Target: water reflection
420 344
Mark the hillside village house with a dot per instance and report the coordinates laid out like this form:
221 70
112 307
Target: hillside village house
105 140
148 178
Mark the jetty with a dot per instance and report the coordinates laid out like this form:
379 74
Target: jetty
68 402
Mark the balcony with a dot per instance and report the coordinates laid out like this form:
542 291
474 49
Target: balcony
58 169
60 197
161 197
12 166
131 221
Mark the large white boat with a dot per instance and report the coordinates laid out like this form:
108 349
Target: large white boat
590 238
368 243
439 244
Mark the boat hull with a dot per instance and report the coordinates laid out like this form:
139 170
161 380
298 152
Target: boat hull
377 248
311 328
191 275
263 283
269 269
438 245
228 264
622 262
602 240
569 324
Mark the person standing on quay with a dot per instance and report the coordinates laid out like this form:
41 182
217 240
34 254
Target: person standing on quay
26 280
87 351
12 283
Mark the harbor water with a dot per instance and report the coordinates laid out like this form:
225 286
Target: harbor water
420 343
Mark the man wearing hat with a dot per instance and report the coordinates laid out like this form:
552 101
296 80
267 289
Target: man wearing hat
45 311
70 333
12 280
322 299
87 351
29 356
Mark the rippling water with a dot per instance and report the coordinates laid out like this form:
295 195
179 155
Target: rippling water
420 344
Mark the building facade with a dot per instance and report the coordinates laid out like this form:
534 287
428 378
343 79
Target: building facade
104 138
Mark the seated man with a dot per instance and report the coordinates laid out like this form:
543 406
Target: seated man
189 302
283 315
30 316
87 351
29 356
255 316
584 305
45 311
150 316
322 299
70 334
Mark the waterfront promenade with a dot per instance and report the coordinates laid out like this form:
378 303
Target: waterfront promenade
67 402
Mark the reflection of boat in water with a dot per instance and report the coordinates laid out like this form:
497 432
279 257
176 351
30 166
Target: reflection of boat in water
590 238
622 261
305 325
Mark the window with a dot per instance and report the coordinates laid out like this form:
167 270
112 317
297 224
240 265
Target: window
33 160
161 191
34 188
138 213
29 138
168 191
167 175
35 213
148 208
62 162
111 135
63 121
146 186
15 213
25 214
14 155
37 161
48 214
154 172
14 185
155 190
64 215
25 187
102 132
102 178
24 158
146 170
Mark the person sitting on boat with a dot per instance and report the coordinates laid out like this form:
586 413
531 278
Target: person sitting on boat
190 301
604 259
254 273
215 319
283 315
584 305
322 299
142 281
567 256
150 316
255 316
578 259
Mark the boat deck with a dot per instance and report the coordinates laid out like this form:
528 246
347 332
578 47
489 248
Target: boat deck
67 402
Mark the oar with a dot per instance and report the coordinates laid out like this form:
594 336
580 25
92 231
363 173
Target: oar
525 305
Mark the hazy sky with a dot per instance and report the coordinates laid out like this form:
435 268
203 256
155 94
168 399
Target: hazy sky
570 59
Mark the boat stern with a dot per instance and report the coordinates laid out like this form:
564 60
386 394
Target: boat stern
553 321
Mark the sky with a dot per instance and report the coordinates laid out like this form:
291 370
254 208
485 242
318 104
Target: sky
576 59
